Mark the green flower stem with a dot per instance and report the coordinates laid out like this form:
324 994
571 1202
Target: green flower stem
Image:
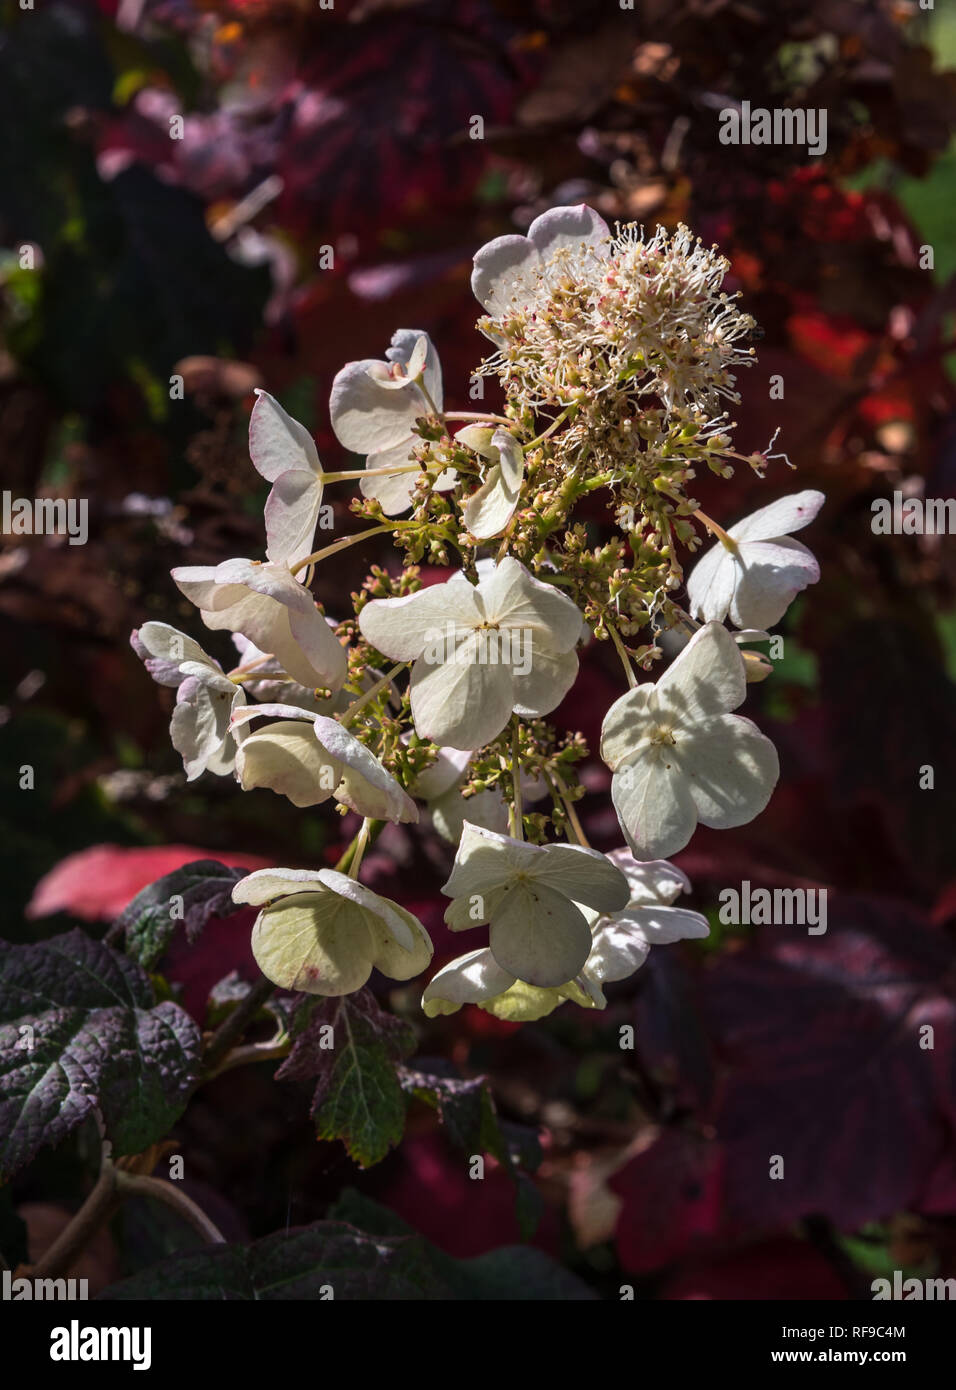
363 700
727 541
480 416
346 541
361 844
137 1185
622 653
569 810
516 810
349 473
419 382
567 414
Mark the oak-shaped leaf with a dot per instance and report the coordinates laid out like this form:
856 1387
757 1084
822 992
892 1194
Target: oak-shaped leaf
191 895
80 1030
333 1257
350 1048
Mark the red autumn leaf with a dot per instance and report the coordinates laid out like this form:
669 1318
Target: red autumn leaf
96 884
671 1198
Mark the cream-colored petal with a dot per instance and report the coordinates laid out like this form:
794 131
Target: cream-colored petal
730 769
286 758
584 875
401 627
487 860
468 979
780 518
545 685
653 802
627 725
316 942
707 678
291 514
395 961
464 700
538 935
515 599
265 885
366 418
770 574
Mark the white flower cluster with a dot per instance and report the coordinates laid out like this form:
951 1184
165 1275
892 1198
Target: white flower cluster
594 325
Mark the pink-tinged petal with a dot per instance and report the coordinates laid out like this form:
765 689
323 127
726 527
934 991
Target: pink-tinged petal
779 518
417 360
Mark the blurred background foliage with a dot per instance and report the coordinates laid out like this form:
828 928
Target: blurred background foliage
326 190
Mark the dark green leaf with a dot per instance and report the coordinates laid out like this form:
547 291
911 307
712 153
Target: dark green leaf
464 1105
350 1048
191 895
391 1263
80 1031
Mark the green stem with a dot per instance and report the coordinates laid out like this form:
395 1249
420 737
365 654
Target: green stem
479 416
135 1185
570 812
346 541
370 694
349 473
727 541
568 411
623 654
516 810
361 844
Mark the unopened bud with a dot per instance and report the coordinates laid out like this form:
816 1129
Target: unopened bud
756 667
